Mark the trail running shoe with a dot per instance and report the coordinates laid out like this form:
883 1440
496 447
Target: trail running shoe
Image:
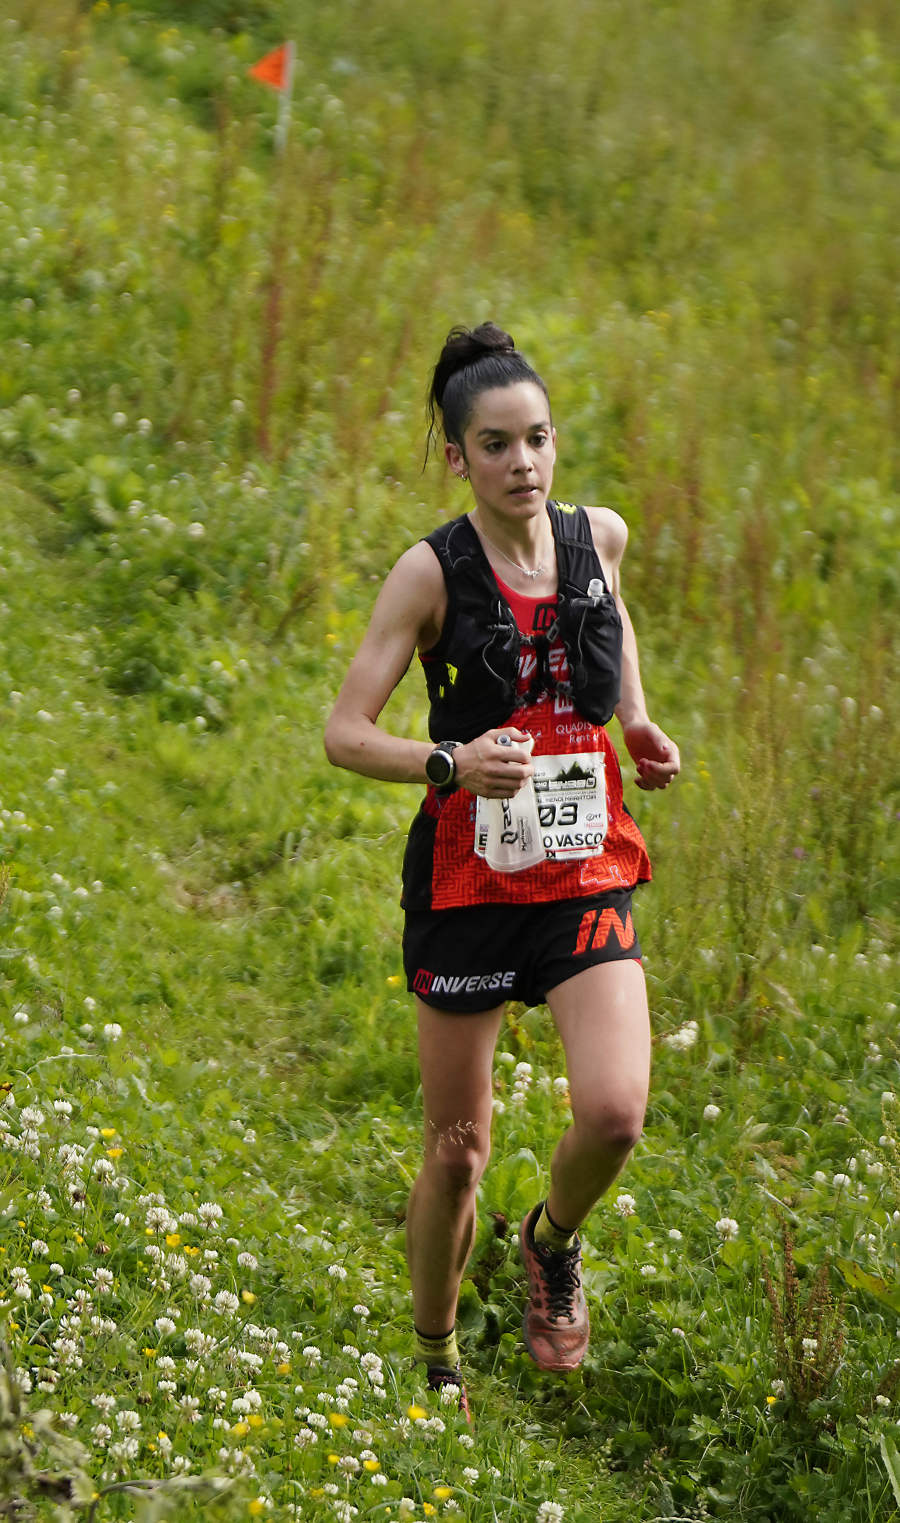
441 1378
555 1325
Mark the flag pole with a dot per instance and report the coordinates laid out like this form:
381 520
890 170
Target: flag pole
284 104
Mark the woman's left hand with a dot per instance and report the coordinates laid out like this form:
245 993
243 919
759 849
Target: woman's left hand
653 753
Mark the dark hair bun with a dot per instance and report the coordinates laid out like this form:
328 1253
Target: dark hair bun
464 346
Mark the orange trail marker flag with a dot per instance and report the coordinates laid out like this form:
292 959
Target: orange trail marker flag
276 70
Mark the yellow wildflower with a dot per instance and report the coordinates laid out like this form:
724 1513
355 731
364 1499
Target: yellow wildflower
333 1459
248 1297
240 1429
256 1507
442 1492
108 1131
114 1152
416 1412
283 1369
338 1419
371 1465
173 1239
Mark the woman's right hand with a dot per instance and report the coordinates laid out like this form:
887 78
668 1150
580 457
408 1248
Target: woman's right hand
496 765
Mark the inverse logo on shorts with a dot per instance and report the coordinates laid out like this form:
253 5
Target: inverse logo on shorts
426 982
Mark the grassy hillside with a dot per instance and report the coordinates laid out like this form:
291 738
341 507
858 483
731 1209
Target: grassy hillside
212 375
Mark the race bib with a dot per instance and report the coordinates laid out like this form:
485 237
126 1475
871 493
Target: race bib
571 799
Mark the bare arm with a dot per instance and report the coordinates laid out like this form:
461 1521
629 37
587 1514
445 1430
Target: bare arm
409 612
653 753
408 602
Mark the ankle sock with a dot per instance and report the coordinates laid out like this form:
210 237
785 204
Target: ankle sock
433 1351
546 1231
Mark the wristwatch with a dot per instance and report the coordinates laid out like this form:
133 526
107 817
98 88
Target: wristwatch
440 768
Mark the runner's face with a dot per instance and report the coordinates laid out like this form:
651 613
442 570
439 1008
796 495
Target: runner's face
510 451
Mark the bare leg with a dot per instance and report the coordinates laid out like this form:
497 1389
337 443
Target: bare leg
456 1055
602 1018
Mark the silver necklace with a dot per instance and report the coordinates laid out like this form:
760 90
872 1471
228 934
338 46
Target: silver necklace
533 575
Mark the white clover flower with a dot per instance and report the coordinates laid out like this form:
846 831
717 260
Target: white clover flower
648 1270
305 1438
337 1271
561 1085
675 1235
727 1227
471 1474
685 1036
144 426
625 1205
103 1281
359 1310
711 1112
550 1512
128 1421
189 1407
882 1401
196 530
119 420
809 1346
209 1213
112 1031
248 1261
840 1180
200 1285
39 1248
226 1303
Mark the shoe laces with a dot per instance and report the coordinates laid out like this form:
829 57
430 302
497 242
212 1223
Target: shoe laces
559 1272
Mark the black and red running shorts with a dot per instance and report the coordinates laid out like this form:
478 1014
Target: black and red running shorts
472 959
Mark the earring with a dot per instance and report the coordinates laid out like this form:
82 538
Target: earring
463 475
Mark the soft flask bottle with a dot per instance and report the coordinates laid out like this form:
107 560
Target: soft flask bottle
514 836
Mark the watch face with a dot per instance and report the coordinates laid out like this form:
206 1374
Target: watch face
439 768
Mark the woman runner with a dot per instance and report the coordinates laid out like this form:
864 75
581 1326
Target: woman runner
515 611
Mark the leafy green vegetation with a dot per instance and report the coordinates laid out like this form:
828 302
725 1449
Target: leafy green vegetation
212 374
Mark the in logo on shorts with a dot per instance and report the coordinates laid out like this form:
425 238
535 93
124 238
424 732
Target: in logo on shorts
598 925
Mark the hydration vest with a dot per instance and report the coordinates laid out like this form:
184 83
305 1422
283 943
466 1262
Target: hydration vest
471 672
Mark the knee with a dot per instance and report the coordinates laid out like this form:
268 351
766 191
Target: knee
458 1159
614 1126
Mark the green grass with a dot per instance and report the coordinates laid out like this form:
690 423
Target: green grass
211 431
